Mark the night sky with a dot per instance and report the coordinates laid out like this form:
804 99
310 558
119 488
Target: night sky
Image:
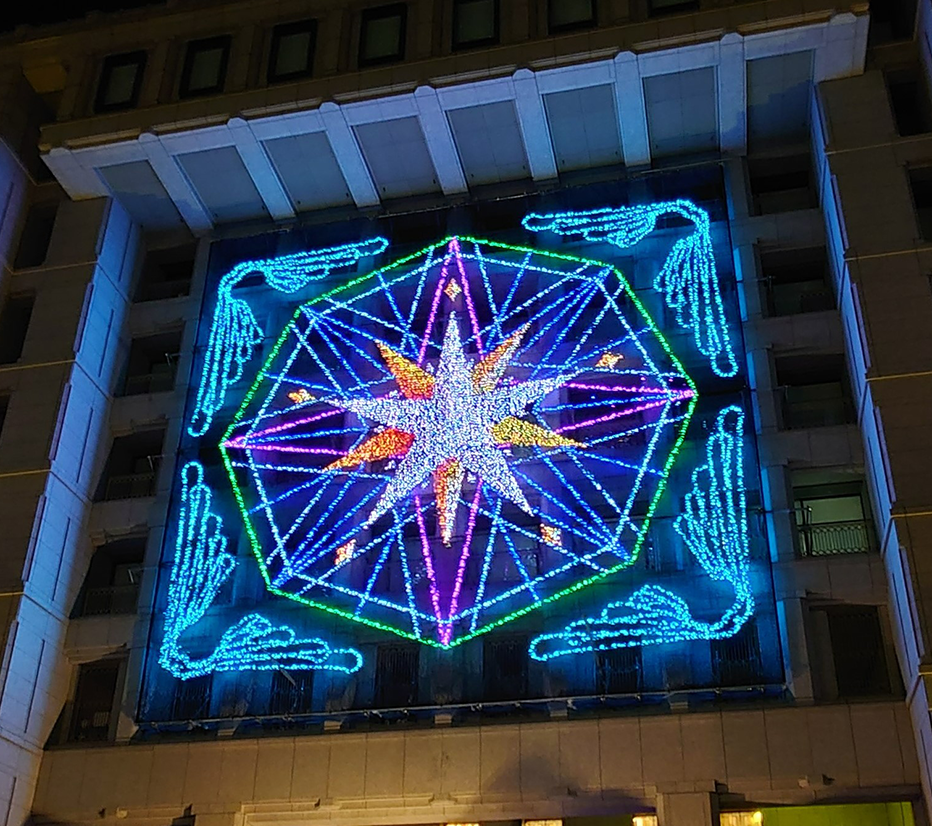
13 14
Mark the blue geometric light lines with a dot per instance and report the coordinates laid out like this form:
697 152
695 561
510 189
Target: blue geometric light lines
688 279
714 527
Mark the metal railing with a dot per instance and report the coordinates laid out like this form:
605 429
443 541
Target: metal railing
160 290
805 412
149 383
131 486
114 599
852 537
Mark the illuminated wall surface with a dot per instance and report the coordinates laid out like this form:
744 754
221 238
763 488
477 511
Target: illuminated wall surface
528 433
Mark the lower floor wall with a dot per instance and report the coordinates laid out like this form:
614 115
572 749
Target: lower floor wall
682 766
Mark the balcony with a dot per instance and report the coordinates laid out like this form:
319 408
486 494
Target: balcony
853 537
815 405
130 486
112 599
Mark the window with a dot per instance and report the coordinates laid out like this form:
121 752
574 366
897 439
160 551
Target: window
566 15
781 184
814 391
120 81
292 692
35 237
191 700
4 407
396 675
113 577
657 7
292 54
94 698
909 100
205 66
736 660
796 281
504 668
382 34
475 23
858 651
920 184
618 671
14 324
832 515
166 274
152 363
132 467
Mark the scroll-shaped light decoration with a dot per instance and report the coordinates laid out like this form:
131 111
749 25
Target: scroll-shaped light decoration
714 526
234 331
200 568
688 280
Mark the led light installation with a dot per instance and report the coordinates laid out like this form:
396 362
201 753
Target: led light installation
200 568
714 527
414 433
688 279
235 332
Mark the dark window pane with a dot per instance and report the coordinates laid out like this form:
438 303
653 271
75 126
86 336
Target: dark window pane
564 15
382 34
814 390
736 660
781 184
504 668
796 281
920 184
120 80
93 700
205 66
292 54
4 407
858 651
671 6
132 467
35 237
292 692
618 671
475 23
396 675
152 363
909 100
192 698
166 274
14 323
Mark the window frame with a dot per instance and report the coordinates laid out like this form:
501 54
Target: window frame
561 28
108 65
192 48
380 13
683 7
308 25
460 46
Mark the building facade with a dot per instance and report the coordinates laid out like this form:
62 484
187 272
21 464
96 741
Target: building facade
459 411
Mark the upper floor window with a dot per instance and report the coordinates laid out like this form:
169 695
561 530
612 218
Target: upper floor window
120 81
909 100
14 324
475 23
292 54
564 15
920 186
36 236
382 34
815 391
205 66
796 281
671 6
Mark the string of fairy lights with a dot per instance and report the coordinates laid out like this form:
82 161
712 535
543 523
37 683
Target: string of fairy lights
472 406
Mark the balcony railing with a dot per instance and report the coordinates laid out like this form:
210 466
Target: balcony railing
148 383
114 599
853 537
160 290
130 486
803 408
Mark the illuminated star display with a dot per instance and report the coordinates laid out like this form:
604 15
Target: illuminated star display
449 442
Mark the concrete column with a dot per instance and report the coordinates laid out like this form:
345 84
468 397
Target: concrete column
687 809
